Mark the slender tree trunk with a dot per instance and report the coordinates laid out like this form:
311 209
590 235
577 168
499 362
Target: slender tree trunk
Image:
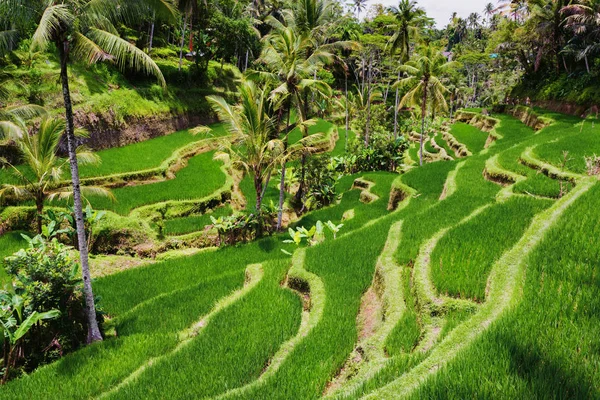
246 64
423 115
303 117
151 33
93 329
397 104
347 112
368 126
182 42
587 64
282 183
39 202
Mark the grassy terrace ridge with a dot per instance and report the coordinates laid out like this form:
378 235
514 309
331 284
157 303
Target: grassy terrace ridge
454 257
471 137
505 289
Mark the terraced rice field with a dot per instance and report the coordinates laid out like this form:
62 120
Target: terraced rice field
472 278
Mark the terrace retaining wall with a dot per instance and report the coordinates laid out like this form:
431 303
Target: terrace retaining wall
106 132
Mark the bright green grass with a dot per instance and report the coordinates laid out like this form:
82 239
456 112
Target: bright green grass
340 145
579 144
134 157
413 152
200 178
462 260
536 183
514 359
181 226
547 347
346 270
150 331
144 155
407 332
232 350
443 144
470 136
10 243
429 148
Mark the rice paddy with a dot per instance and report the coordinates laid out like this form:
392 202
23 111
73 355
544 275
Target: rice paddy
496 283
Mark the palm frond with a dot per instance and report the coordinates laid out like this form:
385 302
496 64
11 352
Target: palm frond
126 54
86 50
53 17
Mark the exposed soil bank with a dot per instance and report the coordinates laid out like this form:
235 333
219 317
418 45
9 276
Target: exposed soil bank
106 132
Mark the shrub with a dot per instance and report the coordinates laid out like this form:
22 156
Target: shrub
45 278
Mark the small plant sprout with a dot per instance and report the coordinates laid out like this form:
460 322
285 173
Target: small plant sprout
333 228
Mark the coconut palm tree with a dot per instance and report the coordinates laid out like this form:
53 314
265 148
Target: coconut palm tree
285 60
358 6
256 147
83 30
424 84
489 11
584 20
41 179
408 18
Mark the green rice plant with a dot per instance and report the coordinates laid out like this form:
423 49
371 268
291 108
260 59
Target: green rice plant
546 347
406 334
463 258
439 139
147 332
470 136
201 177
580 141
232 349
346 271
182 226
144 155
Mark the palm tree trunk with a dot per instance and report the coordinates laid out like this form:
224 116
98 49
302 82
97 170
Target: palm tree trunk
39 202
94 334
587 64
423 115
151 33
397 104
347 112
282 184
368 126
182 43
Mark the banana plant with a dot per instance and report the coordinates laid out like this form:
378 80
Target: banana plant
333 228
14 325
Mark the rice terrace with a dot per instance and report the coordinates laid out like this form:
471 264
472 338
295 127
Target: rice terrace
275 199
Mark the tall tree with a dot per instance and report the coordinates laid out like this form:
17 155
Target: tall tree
285 60
408 17
424 84
358 6
82 30
584 21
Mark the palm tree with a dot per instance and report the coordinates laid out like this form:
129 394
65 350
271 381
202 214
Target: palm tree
255 147
41 179
408 17
584 21
424 84
82 30
548 19
358 6
284 56
489 11
473 20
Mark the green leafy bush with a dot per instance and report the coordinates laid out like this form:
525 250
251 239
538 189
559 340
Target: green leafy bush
45 279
